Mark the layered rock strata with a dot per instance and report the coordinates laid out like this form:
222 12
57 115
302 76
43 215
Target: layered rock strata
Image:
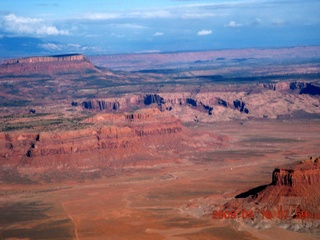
297 176
293 190
113 140
165 103
48 64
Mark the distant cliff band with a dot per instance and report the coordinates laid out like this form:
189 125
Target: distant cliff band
57 58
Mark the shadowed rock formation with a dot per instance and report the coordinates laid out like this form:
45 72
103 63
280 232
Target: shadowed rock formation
310 89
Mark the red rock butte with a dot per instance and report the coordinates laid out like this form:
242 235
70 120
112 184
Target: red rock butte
47 64
54 58
294 188
305 173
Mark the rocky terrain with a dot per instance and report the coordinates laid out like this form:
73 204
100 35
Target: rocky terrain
75 63
214 58
158 142
45 98
109 140
292 199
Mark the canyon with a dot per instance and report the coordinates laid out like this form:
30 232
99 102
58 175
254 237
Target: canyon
154 143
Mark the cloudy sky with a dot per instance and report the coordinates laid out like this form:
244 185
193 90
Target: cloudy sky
126 26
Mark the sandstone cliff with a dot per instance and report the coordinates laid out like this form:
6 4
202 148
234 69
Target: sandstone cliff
293 189
48 64
164 102
305 174
213 106
114 140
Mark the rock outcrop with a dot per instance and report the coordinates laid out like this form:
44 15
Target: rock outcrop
294 189
56 58
310 89
113 140
162 102
213 106
70 63
294 87
304 174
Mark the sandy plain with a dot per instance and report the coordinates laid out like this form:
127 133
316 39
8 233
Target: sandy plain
169 201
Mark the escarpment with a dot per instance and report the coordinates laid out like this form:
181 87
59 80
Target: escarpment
114 140
71 63
294 188
72 81
57 58
310 89
162 102
211 105
306 173
294 87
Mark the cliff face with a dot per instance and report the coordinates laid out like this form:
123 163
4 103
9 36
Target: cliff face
211 106
48 64
311 89
163 102
117 140
297 87
57 58
294 178
292 189
304 174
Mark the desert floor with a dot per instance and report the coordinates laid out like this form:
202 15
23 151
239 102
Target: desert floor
164 201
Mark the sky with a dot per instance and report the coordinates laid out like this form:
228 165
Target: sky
133 26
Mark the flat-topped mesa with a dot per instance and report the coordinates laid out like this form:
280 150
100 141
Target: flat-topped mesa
70 63
54 58
304 174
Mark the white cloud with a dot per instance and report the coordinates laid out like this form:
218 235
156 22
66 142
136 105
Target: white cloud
196 15
117 35
50 46
158 34
128 25
21 20
50 30
257 21
233 24
196 11
71 47
279 22
100 16
93 35
204 32
151 14
147 13
29 26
